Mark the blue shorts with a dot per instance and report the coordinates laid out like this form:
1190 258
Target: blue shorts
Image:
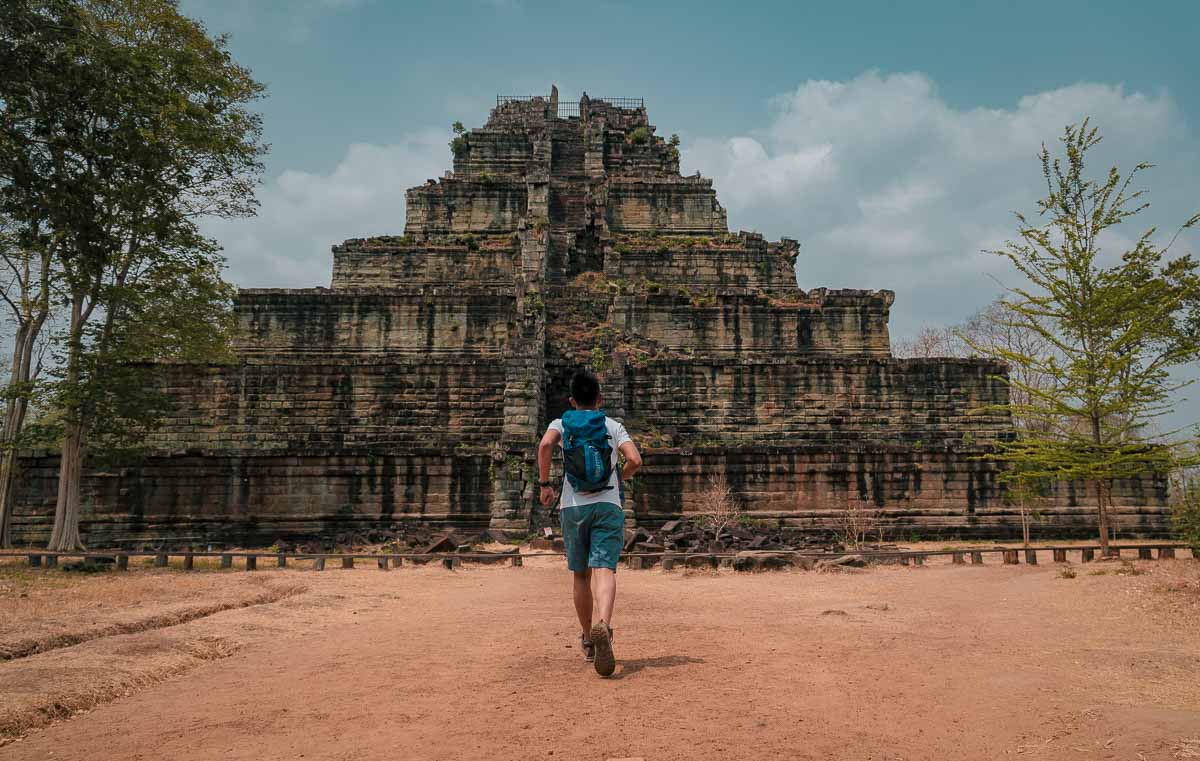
593 535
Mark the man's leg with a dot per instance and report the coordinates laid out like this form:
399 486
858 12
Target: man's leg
583 599
608 534
605 581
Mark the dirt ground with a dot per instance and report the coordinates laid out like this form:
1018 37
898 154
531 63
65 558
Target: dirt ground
933 662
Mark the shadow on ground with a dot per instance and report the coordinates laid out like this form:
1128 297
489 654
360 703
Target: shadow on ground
634 665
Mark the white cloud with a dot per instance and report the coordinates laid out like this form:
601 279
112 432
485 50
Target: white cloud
886 185
302 214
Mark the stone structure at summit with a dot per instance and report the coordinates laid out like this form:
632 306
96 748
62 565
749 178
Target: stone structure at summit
416 386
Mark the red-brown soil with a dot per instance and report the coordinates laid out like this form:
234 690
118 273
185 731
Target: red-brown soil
939 662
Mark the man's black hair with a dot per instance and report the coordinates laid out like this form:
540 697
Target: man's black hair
585 389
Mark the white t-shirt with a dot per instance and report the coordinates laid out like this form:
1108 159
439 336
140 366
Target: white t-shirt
618 436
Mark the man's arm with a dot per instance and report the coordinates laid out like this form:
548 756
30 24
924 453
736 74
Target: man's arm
633 459
545 453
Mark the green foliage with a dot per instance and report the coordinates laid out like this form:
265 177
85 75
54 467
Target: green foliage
458 144
121 124
1111 333
1185 507
601 359
673 147
639 135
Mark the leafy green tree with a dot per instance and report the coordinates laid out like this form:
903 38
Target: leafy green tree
1185 500
1110 331
27 286
123 123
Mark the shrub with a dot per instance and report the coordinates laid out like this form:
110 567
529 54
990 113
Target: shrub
639 135
856 521
720 508
1185 507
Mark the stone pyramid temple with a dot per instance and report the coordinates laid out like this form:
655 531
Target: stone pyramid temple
416 386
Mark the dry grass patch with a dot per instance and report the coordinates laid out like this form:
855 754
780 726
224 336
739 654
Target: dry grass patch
47 609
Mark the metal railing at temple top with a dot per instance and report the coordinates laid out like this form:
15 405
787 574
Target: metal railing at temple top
568 109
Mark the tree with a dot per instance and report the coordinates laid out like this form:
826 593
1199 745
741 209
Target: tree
122 124
27 288
1110 334
929 342
1185 500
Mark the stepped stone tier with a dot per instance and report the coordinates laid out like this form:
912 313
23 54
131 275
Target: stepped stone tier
416 387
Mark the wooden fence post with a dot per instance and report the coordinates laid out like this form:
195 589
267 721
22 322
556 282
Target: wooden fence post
319 564
347 562
160 560
1060 556
251 562
227 561
35 561
383 563
188 561
976 558
1087 555
1031 557
957 558
281 561
1145 553
1166 552
51 561
122 562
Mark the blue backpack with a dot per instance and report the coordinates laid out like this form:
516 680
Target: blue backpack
587 455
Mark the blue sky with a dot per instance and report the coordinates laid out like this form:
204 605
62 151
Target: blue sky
893 140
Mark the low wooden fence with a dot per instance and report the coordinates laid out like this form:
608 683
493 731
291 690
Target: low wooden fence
667 560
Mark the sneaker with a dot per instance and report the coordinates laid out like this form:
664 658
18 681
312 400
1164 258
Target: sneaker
605 662
589 650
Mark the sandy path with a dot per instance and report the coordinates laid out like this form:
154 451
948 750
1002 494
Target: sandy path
989 662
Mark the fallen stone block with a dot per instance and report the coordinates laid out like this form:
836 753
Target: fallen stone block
444 543
845 561
747 560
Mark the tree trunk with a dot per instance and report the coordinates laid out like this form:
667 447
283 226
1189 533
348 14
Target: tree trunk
1024 521
65 535
14 421
1102 508
8 481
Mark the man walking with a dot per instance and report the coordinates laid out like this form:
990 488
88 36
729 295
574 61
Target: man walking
593 523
